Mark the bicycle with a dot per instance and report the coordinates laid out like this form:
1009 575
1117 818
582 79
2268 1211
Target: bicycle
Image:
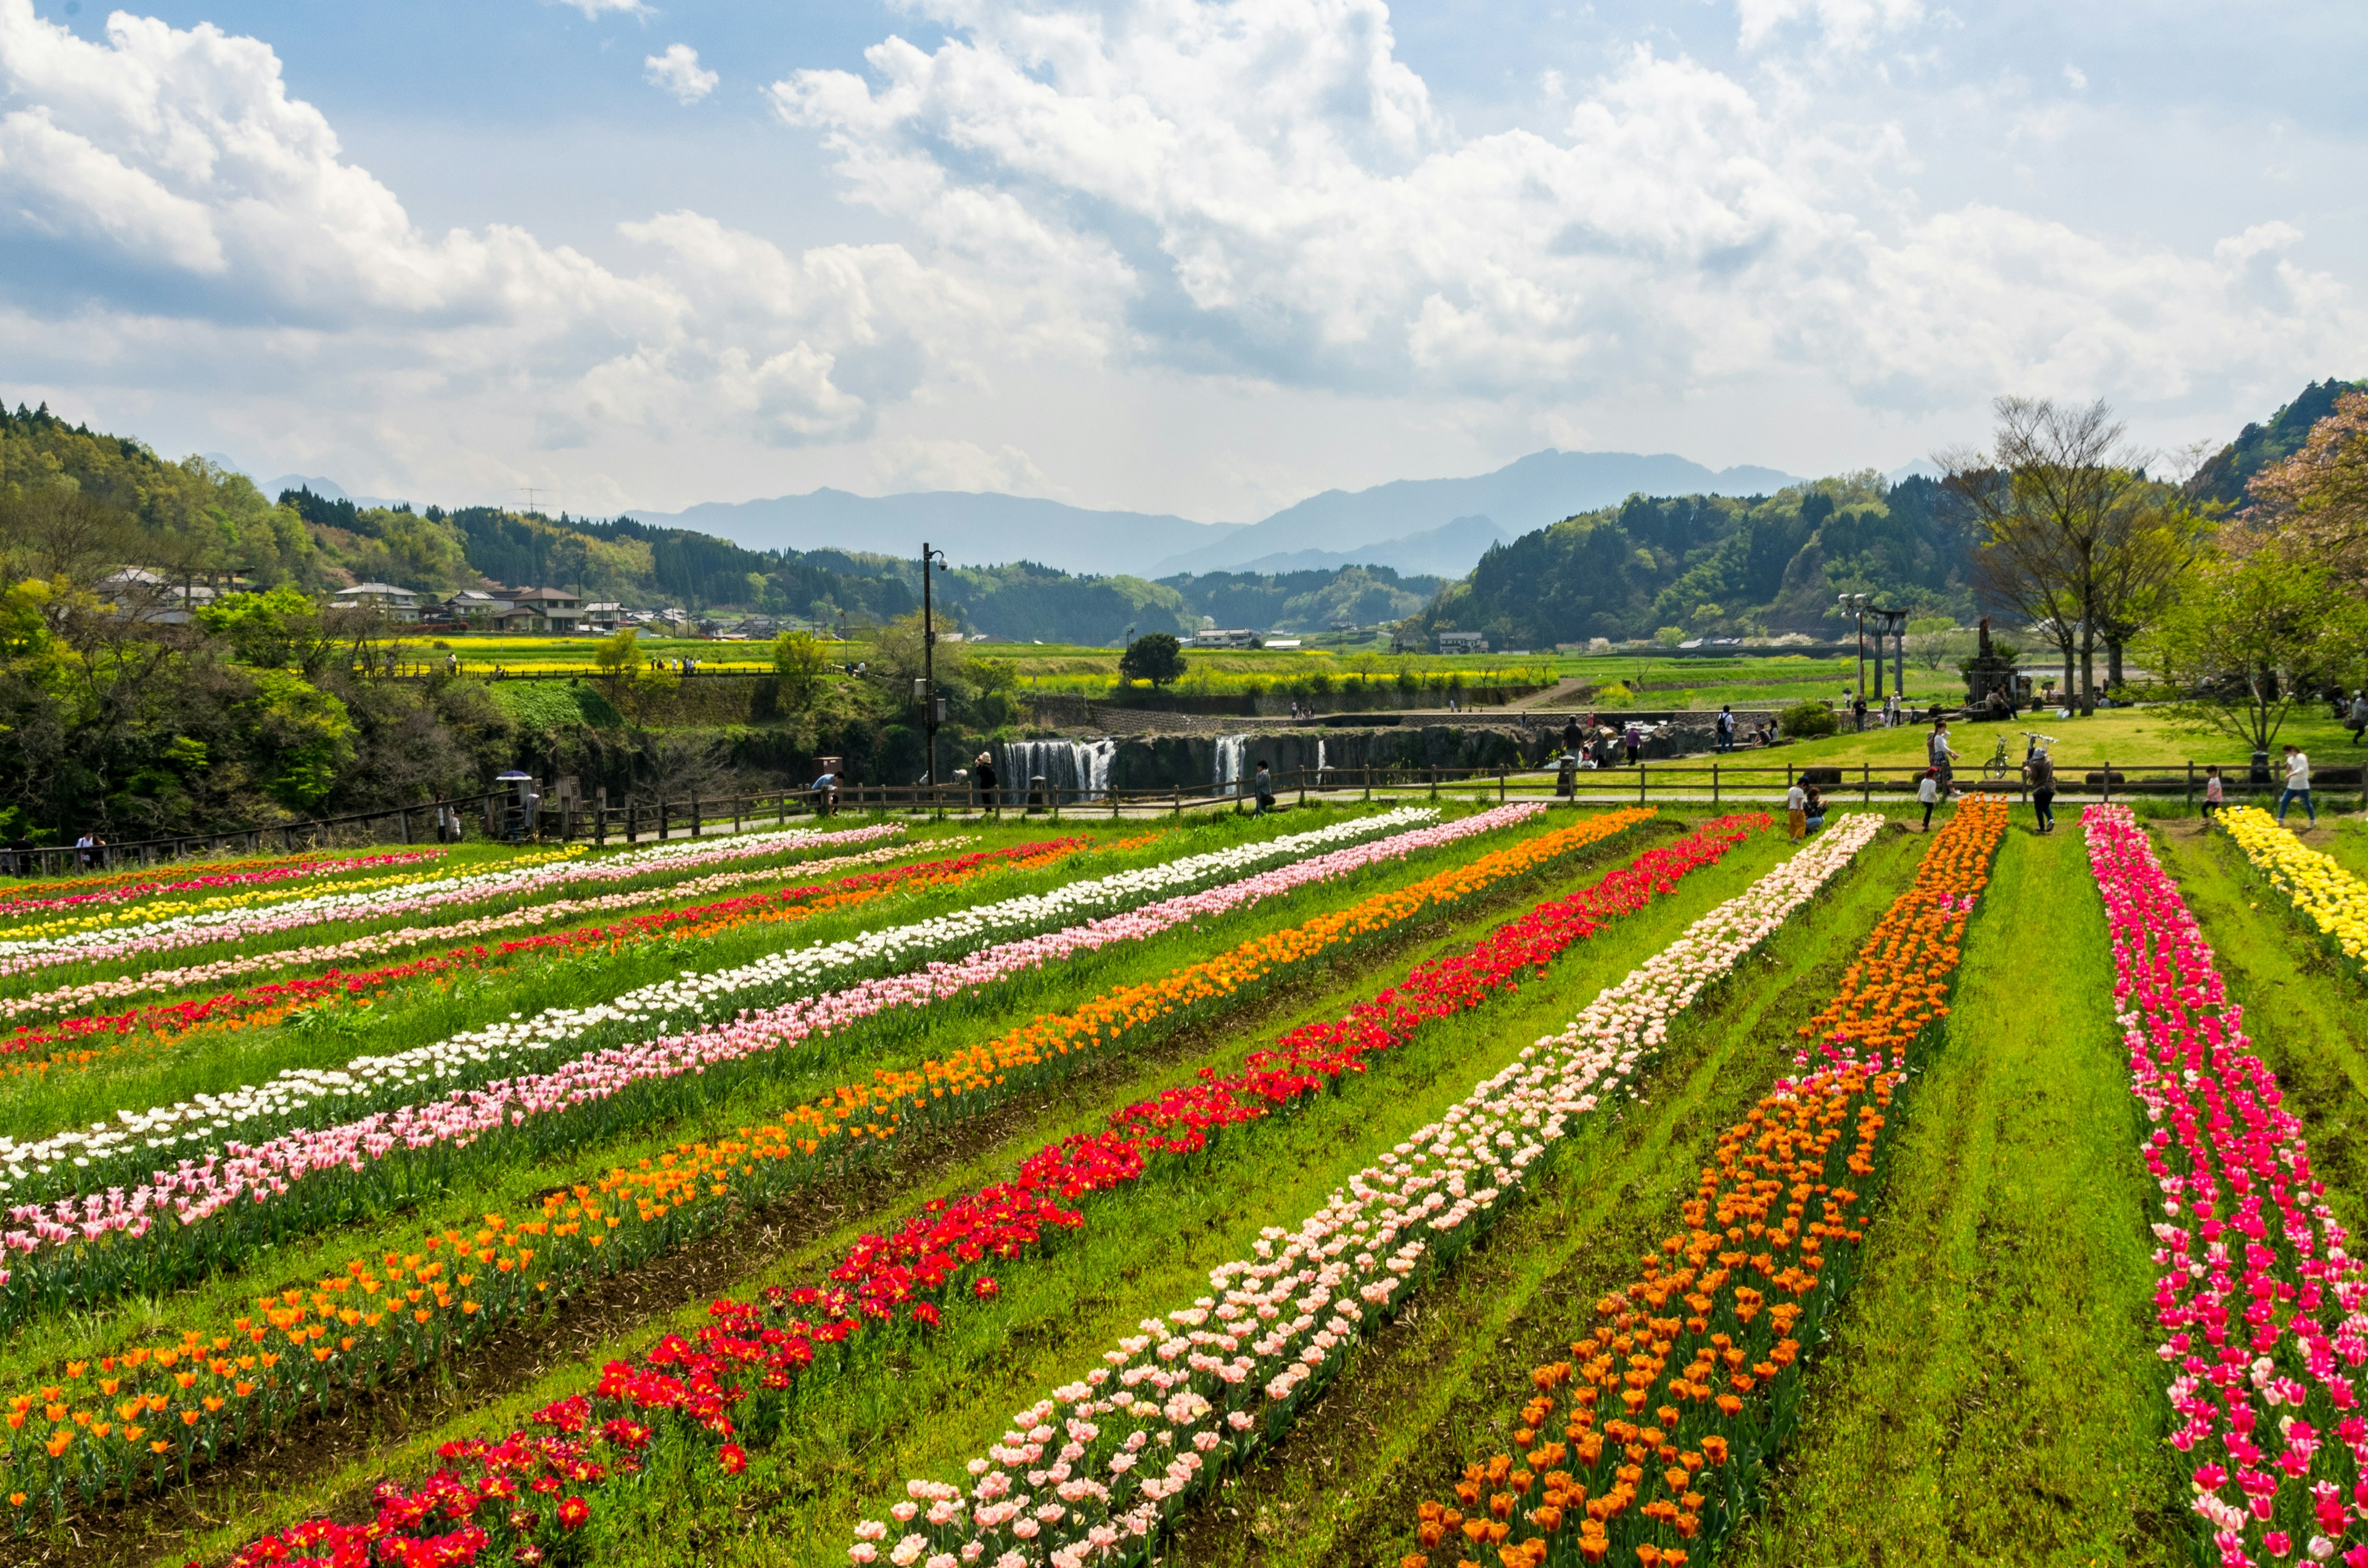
1998 766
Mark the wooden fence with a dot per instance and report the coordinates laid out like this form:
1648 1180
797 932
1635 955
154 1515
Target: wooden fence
496 815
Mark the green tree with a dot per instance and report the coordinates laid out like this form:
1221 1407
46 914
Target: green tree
269 630
2249 639
1155 656
626 673
798 663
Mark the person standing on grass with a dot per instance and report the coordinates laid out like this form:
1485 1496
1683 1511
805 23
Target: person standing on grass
1727 727
981 774
2041 770
1928 795
2357 720
1796 811
1263 787
2297 783
1634 739
2214 793
1858 710
1939 753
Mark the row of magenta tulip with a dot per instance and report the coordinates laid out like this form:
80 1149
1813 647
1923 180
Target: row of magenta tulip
124 887
1646 1446
97 1428
733 1382
2259 1300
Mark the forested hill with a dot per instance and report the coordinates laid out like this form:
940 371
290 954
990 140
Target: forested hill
2259 446
1711 566
97 501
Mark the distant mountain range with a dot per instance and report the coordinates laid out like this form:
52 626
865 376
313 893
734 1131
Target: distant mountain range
1429 527
974 529
1526 494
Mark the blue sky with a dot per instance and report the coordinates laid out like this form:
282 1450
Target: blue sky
1168 255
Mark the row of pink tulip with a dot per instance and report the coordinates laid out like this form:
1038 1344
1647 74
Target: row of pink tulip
208 1212
2261 1304
419 896
377 944
36 899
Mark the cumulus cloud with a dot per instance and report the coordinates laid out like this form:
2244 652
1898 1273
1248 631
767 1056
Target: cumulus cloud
164 176
678 71
1264 189
1214 193
595 10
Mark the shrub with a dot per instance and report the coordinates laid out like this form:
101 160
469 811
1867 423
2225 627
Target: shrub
1805 721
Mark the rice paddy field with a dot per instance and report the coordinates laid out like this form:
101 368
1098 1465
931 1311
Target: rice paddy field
1408 1184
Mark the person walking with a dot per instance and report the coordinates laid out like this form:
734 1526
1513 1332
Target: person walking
1262 785
982 775
1634 739
2297 783
1858 710
1796 811
1727 727
1571 736
2358 718
2041 771
2215 794
1928 794
1939 753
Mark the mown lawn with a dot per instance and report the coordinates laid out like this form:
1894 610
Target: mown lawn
1990 1393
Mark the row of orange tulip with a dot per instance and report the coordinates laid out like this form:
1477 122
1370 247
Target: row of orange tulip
1646 1446
299 1348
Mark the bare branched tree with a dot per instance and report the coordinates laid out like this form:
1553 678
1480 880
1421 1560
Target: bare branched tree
2074 536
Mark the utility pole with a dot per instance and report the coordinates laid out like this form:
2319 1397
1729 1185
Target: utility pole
929 658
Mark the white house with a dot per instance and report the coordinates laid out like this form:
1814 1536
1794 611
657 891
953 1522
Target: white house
1463 641
401 602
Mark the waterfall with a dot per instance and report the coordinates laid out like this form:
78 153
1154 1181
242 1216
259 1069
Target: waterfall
1320 764
1072 770
1232 751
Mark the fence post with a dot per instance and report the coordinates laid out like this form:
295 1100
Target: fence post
633 820
2189 799
1302 786
1369 786
662 819
1434 783
1865 785
737 801
1713 783
1640 780
600 826
2108 778
1180 802
1500 785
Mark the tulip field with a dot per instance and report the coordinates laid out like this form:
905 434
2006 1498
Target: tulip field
1411 1185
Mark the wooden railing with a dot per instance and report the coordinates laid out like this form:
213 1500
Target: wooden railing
497 815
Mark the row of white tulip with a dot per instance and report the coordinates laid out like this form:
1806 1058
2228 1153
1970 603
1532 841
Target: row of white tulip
1097 1467
204 1124
416 895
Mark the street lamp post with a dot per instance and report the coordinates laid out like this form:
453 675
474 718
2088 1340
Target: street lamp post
929 660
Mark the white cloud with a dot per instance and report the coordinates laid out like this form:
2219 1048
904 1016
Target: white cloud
1840 24
2076 78
678 71
1227 202
595 10
1264 190
907 464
